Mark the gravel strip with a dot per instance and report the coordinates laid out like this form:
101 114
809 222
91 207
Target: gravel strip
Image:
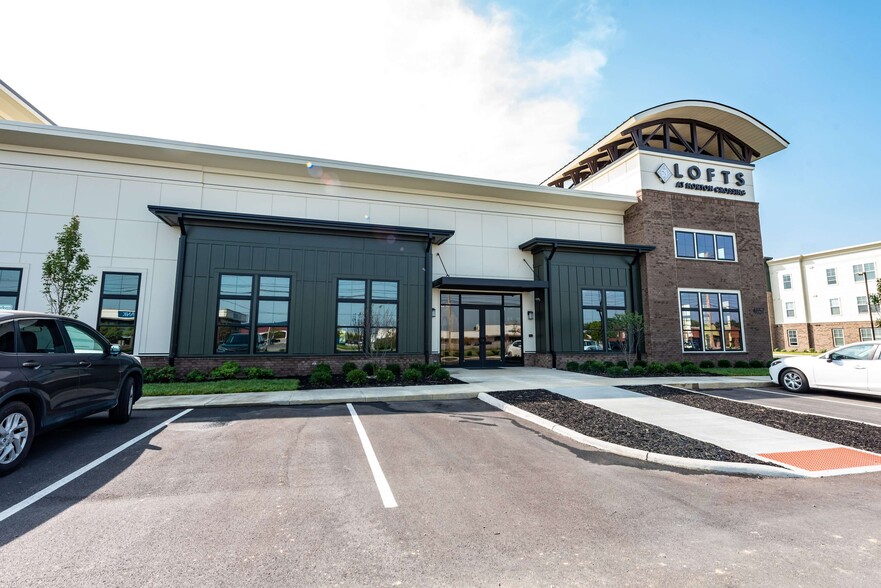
614 428
842 432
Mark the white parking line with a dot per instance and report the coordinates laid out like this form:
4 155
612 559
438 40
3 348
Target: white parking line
860 404
388 499
71 477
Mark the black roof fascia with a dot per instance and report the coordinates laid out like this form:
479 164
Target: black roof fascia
543 243
172 217
452 282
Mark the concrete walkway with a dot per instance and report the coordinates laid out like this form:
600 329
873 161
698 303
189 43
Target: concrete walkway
803 455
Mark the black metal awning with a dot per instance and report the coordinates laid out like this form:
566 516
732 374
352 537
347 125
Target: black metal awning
489 284
544 243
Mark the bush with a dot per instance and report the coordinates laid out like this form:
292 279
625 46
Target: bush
608 364
320 376
356 377
394 369
420 367
640 363
440 374
757 363
385 376
690 368
655 368
637 370
707 364
615 370
585 367
164 374
597 367
622 364
572 366
349 366
429 370
226 371
194 376
724 363
369 368
412 375
741 364
673 368
324 367
259 373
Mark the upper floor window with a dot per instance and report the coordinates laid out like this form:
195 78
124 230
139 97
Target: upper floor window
790 309
861 268
705 245
597 307
10 286
834 306
831 277
863 305
118 309
367 316
787 282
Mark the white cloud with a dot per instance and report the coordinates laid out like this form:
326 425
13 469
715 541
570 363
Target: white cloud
424 84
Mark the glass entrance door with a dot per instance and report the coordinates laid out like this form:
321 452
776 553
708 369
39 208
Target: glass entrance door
481 336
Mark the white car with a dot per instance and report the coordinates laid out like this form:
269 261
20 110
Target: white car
849 368
515 349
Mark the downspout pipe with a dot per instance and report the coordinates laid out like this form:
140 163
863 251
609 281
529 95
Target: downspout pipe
178 289
633 296
429 273
548 293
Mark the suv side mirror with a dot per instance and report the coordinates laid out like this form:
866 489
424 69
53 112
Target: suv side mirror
115 350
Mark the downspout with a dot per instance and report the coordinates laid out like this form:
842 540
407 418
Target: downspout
633 297
551 347
429 273
178 288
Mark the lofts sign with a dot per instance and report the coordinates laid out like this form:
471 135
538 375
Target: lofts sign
704 179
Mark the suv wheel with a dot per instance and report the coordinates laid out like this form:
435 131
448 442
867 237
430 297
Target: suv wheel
16 435
122 412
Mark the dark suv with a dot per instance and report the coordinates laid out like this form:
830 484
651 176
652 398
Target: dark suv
54 370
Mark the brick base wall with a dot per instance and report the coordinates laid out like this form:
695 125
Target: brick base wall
818 335
286 366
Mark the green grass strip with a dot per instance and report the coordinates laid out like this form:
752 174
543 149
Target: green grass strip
736 371
220 387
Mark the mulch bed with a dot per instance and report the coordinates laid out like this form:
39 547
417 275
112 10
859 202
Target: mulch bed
339 381
614 428
848 433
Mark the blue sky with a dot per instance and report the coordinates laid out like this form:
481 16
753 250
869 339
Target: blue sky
507 90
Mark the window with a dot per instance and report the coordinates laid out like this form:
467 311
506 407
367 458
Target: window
866 334
597 307
792 334
239 303
83 341
831 278
860 268
787 282
7 337
856 352
704 245
710 321
834 306
837 337
790 309
863 305
118 309
41 336
367 316
10 286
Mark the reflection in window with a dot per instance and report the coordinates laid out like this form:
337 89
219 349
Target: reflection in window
367 320
711 321
273 309
705 245
10 285
233 333
253 314
597 308
118 310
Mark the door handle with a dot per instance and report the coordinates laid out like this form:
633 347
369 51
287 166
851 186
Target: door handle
30 364
859 367
85 364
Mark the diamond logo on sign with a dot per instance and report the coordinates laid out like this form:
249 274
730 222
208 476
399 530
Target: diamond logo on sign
664 173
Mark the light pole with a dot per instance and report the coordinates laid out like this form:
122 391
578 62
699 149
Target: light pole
868 302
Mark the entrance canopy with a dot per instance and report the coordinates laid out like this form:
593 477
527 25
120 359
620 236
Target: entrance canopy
489 284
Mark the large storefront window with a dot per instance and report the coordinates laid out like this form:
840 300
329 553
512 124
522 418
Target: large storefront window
118 311
10 285
711 321
367 311
597 307
236 330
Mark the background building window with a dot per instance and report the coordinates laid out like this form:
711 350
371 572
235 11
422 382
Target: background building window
831 277
787 282
10 286
868 268
863 305
865 333
118 309
790 309
711 321
792 334
705 245
837 337
834 306
597 307
366 315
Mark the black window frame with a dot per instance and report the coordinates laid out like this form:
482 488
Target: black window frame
254 298
695 233
103 296
367 328
701 309
603 308
17 292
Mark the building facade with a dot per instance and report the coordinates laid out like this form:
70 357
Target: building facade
208 253
823 300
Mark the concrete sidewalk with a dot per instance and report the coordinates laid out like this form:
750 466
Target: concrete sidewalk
801 455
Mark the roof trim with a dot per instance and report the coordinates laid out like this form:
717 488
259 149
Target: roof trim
27 105
872 245
544 243
489 284
178 217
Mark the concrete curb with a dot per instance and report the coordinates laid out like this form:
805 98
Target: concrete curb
721 467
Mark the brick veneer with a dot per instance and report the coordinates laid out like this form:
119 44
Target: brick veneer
818 335
281 365
651 222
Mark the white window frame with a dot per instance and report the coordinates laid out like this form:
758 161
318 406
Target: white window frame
790 309
834 276
790 335
837 334
740 310
863 267
787 281
863 305
715 234
866 333
835 309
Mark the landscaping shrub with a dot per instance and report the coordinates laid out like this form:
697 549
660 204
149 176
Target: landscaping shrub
741 364
585 367
412 375
690 368
420 367
572 366
707 364
673 367
164 374
655 368
356 377
757 363
429 370
321 376
597 367
769 362
622 364
226 371
369 368
349 366
385 376
440 374
194 376
324 367
259 373
394 369
615 370
640 363
637 370
607 365
724 363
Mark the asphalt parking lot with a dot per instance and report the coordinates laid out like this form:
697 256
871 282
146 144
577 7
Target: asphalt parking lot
855 407
287 496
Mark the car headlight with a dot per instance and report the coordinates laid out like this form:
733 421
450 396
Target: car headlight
776 362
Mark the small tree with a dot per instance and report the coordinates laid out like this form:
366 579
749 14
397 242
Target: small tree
633 326
875 299
65 281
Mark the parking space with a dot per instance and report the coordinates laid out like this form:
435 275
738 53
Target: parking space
285 495
853 407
